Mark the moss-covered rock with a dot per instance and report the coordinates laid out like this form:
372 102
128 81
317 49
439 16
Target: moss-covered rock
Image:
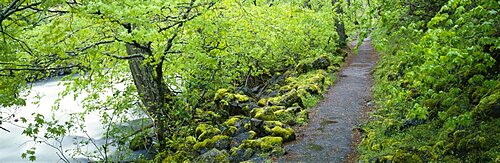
221 93
179 156
265 113
238 139
218 141
266 144
241 98
233 103
262 102
285 116
204 131
213 156
241 154
232 120
287 134
290 98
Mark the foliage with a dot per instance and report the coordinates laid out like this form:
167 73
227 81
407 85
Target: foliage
436 83
184 51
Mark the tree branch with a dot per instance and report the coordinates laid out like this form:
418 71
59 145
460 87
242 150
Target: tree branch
14 7
4 129
125 57
38 69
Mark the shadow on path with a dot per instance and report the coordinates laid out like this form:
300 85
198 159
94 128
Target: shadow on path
328 135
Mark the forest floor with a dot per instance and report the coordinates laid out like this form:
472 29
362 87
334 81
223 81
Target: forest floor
331 135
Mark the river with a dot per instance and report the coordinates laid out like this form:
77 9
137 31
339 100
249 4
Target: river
13 143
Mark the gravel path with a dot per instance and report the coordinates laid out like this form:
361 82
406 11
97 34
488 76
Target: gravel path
328 135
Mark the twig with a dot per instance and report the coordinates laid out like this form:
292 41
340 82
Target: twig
4 129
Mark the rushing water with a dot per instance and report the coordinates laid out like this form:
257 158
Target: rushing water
13 143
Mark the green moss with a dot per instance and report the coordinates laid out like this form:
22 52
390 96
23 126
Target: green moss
263 114
248 126
231 121
285 116
290 98
287 134
190 140
302 116
273 123
402 156
220 94
179 156
387 158
230 131
213 155
205 131
241 98
265 144
212 142
311 100
278 152
275 108
252 135
274 100
262 102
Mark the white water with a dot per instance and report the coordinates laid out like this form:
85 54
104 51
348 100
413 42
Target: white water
13 143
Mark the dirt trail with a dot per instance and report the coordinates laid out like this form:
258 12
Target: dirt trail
328 135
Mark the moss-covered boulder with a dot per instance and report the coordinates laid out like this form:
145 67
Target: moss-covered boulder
286 133
239 138
250 149
213 156
240 124
265 144
242 154
204 131
285 116
289 99
266 113
218 141
234 103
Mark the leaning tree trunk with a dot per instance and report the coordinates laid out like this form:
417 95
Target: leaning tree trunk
151 88
340 26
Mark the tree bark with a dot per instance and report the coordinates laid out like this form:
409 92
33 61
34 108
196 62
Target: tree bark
151 88
340 26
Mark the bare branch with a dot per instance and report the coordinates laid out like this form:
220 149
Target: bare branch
4 129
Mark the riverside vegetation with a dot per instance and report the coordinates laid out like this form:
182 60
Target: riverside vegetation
437 84
224 80
201 80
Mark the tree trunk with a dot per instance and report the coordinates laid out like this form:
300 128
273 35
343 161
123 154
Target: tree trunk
151 88
340 26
